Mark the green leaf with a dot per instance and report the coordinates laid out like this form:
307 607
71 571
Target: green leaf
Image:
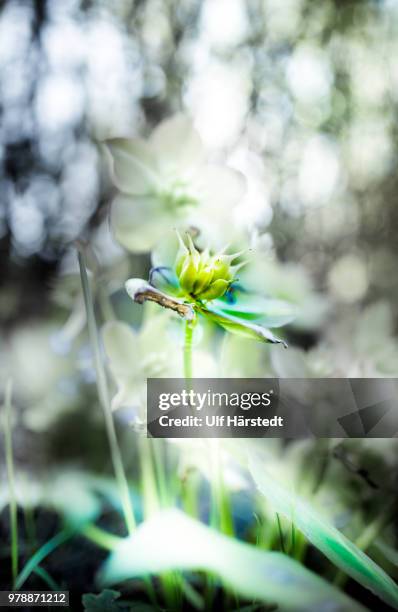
171 540
334 545
253 307
70 494
235 325
106 600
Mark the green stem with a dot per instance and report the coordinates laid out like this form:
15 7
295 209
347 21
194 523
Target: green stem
188 350
101 537
11 482
47 579
148 478
159 456
280 531
104 397
41 554
221 503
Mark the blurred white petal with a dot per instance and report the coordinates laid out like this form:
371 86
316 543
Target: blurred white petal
221 186
177 144
134 166
138 222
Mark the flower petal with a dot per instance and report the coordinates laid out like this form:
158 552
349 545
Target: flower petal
177 144
165 252
133 166
219 189
221 186
120 343
122 350
138 222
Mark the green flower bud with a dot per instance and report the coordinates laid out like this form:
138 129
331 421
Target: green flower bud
181 255
221 267
203 276
216 290
188 274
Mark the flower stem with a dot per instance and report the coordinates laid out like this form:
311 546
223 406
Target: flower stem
99 536
11 482
103 393
188 349
39 556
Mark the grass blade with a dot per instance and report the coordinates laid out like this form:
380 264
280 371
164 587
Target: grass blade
334 545
11 481
104 397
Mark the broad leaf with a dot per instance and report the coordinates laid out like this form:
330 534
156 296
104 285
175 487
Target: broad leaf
334 545
171 540
235 325
106 600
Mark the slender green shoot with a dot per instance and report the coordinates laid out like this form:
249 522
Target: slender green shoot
188 349
293 540
160 461
102 538
280 531
366 538
103 392
47 579
41 554
221 507
195 599
148 478
221 513
11 481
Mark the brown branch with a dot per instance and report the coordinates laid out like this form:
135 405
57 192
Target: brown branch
140 291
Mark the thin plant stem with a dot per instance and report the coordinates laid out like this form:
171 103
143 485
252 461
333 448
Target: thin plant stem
195 599
169 581
41 554
148 478
281 538
11 481
103 392
188 350
293 542
159 456
47 579
99 536
221 507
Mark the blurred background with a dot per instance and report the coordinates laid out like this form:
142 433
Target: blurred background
300 96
